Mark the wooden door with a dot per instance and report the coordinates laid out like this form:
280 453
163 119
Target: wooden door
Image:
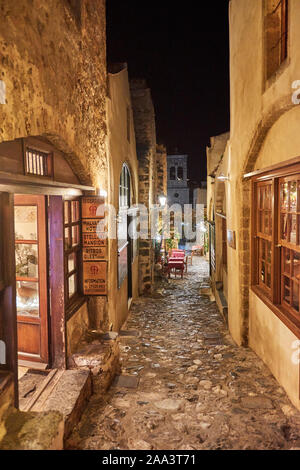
31 278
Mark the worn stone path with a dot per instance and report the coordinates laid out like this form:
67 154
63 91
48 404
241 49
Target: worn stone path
196 390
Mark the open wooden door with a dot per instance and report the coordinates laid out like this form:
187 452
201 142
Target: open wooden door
31 278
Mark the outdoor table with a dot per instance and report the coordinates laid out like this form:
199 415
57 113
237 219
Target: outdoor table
177 265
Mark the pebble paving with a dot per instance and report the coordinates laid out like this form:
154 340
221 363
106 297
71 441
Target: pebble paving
190 386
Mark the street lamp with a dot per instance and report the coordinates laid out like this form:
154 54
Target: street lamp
162 200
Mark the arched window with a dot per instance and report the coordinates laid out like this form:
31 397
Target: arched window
172 173
124 188
123 240
180 173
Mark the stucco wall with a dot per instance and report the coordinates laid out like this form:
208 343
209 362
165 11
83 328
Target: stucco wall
120 151
274 343
283 140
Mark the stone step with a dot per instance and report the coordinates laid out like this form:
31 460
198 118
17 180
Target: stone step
70 397
100 354
32 386
51 413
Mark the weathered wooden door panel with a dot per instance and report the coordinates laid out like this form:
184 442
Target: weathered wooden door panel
31 278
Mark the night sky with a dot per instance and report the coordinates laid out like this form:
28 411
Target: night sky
182 50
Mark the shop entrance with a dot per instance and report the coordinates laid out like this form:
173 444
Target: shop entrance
31 278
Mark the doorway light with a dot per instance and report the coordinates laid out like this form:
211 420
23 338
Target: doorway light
103 193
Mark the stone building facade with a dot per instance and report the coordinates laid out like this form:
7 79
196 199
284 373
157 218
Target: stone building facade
260 175
145 133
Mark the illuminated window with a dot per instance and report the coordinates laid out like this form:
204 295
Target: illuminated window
38 163
289 237
276 242
72 248
123 242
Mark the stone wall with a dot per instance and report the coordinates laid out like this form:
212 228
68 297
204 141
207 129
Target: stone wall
161 165
144 123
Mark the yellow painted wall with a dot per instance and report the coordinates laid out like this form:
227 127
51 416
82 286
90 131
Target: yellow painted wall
273 342
264 131
283 140
120 151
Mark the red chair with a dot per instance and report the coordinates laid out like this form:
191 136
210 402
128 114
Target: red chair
178 255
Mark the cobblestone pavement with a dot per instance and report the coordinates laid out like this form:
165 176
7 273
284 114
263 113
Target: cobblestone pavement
196 390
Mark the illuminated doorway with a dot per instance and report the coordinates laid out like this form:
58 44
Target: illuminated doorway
31 278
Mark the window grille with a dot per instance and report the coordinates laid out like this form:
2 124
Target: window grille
37 162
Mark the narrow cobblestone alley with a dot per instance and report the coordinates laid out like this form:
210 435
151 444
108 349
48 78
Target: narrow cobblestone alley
196 389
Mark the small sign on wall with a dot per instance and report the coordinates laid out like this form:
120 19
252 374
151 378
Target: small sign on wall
93 207
92 239
94 246
231 239
94 278
94 226
97 253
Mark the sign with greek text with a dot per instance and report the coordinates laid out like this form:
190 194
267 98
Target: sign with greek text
94 278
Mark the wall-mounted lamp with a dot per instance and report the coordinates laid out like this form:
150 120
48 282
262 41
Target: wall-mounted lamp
222 177
103 193
162 200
